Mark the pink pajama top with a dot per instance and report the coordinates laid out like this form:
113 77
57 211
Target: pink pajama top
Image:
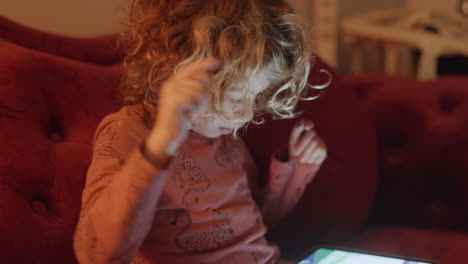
206 207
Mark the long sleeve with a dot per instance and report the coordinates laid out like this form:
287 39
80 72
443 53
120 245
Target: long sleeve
286 184
120 197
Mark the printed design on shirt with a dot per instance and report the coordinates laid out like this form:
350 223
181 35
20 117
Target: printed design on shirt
184 219
189 177
230 153
104 149
220 236
281 177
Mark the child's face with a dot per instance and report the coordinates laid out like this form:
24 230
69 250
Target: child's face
212 125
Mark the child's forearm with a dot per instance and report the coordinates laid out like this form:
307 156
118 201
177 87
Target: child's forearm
114 224
286 185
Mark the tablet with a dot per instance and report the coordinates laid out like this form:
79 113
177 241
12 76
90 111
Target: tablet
340 256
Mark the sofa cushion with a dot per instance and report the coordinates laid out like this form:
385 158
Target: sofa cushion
444 247
423 139
338 201
49 108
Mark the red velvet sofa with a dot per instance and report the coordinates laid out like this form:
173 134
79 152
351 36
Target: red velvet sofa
396 180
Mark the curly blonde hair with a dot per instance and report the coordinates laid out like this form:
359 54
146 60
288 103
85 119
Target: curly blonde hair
249 36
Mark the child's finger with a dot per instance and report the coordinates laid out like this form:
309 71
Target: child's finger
295 134
191 92
302 143
308 125
190 85
314 156
299 128
209 64
192 110
201 107
321 153
320 157
201 76
308 151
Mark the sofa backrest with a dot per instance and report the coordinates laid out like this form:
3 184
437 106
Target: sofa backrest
51 101
422 129
49 108
101 50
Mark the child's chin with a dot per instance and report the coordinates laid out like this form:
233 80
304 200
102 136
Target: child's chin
213 136
210 135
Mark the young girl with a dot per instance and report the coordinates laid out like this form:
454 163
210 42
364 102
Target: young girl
170 181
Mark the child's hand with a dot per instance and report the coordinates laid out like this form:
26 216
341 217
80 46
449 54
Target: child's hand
182 99
305 145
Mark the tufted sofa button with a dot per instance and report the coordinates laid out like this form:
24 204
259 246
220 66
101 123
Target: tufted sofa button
39 207
393 158
449 103
56 137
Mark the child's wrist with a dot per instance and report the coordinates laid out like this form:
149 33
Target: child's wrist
156 153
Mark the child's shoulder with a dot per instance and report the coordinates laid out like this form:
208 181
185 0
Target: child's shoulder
134 113
129 117
120 131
